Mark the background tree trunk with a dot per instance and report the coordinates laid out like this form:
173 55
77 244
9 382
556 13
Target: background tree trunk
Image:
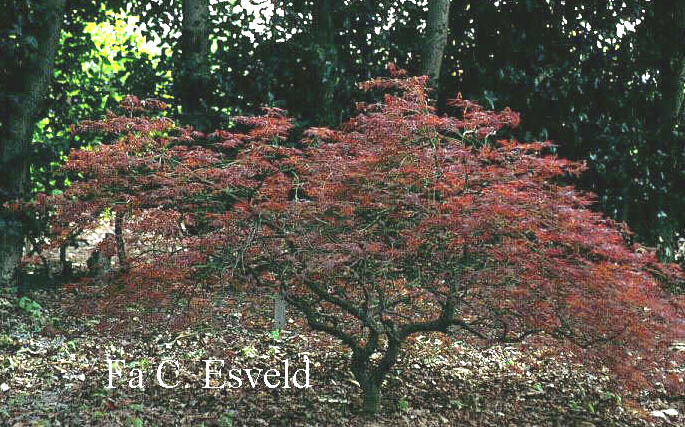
325 58
192 76
31 85
437 29
669 26
119 239
672 82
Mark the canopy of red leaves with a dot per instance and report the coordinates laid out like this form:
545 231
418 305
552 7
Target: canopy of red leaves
402 221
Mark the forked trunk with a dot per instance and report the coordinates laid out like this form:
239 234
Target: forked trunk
370 375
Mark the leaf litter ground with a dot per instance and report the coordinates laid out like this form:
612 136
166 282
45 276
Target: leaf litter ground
53 371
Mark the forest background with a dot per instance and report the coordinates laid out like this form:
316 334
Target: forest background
604 80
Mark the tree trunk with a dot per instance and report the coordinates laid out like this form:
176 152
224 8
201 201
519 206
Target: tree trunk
371 395
437 29
370 377
671 88
325 62
65 266
669 24
370 384
192 74
11 248
119 239
32 84
279 310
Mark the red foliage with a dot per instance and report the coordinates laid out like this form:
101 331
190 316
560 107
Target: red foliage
401 222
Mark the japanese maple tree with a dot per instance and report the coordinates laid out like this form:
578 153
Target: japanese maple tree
399 223
405 222
167 190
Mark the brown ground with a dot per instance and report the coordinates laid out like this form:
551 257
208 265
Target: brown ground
53 372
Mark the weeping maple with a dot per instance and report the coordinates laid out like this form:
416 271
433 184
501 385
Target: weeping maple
401 222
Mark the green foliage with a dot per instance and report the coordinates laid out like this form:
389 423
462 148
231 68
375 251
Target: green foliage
31 307
7 343
249 352
103 55
226 420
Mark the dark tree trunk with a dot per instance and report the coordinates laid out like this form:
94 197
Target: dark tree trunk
669 25
672 83
11 247
665 27
192 74
371 398
371 388
437 29
369 376
65 266
32 84
325 62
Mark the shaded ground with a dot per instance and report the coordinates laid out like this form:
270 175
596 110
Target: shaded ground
53 371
